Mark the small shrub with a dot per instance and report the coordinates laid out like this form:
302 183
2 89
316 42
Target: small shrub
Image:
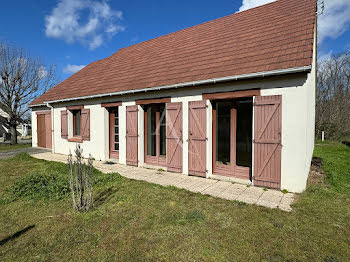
284 191
81 180
40 186
265 189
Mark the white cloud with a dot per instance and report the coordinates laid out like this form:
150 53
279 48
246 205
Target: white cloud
88 22
324 56
71 69
335 20
248 4
331 24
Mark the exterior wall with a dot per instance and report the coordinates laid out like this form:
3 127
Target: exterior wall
298 130
298 112
97 144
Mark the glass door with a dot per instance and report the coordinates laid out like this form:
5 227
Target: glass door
114 133
155 134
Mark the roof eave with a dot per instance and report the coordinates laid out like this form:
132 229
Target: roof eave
187 84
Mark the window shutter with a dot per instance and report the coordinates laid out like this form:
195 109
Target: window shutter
85 124
64 124
267 141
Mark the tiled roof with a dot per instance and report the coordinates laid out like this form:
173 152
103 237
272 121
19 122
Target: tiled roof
274 36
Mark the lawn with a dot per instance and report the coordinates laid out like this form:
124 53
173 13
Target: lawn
138 221
8 147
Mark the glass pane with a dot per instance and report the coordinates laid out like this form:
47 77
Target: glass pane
244 133
116 121
223 131
151 132
116 130
116 113
116 146
77 115
162 130
116 138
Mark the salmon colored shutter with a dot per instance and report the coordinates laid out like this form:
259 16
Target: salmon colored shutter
131 136
174 136
64 124
197 138
267 141
85 124
48 130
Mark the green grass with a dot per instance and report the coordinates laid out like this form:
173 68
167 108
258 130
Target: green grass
138 221
8 147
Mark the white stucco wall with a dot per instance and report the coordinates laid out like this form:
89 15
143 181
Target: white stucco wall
298 131
97 144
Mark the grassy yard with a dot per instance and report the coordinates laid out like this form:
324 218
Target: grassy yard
137 221
8 147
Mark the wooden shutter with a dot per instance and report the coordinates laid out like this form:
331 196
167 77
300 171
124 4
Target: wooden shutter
197 138
48 130
174 136
64 124
267 141
85 124
131 135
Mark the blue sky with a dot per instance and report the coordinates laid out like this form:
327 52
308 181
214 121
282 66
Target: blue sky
73 33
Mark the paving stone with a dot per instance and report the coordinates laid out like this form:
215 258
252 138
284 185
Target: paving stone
272 196
221 189
252 192
247 199
235 189
267 203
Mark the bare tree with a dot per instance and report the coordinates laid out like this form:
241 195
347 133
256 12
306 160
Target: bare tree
333 97
22 79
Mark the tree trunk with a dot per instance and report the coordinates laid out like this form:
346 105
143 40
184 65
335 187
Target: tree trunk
13 132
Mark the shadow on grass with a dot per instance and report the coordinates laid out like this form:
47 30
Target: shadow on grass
16 235
104 196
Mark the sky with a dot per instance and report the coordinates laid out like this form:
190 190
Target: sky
73 33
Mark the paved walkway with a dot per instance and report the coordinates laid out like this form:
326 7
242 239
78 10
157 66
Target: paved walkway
29 150
221 189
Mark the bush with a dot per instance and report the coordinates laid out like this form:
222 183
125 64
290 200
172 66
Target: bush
41 186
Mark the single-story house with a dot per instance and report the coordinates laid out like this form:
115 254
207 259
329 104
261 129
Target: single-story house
233 98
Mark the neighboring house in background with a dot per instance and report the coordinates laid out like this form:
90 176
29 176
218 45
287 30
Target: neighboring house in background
23 129
233 98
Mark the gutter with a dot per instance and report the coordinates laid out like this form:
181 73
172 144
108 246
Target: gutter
187 84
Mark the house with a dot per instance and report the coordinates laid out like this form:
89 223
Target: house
232 99
23 129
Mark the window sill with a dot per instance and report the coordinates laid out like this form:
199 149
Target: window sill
75 139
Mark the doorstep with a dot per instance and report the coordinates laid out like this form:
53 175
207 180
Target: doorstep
222 189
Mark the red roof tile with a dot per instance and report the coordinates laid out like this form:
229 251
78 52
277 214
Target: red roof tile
274 36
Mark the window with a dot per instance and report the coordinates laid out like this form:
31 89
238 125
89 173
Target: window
223 132
76 122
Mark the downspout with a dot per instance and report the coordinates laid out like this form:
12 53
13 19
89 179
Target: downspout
52 128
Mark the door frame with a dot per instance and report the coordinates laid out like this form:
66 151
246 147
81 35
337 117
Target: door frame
113 154
47 134
156 160
233 170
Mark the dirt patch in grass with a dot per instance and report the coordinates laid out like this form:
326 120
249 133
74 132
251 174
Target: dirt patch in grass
316 175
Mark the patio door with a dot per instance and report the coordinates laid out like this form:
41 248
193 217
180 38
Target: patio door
232 137
113 132
155 134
